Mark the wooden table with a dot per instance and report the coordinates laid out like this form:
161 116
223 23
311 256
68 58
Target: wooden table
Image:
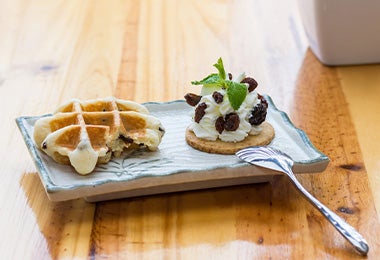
51 51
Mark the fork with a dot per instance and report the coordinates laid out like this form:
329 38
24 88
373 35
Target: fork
256 154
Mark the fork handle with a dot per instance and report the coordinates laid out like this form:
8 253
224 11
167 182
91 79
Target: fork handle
343 227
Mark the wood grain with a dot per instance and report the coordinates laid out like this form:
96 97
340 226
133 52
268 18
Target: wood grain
150 50
360 85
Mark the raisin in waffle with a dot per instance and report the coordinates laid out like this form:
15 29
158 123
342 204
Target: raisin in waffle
84 134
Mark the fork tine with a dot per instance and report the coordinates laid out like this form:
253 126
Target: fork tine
257 150
259 153
253 154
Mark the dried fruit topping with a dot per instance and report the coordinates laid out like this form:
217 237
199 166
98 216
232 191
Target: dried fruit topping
218 97
252 83
263 100
229 76
259 112
229 123
200 112
219 124
232 122
192 99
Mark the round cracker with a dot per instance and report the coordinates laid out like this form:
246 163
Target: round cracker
220 147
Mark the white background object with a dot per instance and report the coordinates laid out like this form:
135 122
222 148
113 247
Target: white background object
342 32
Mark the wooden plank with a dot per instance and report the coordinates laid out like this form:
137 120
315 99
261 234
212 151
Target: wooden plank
360 85
150 51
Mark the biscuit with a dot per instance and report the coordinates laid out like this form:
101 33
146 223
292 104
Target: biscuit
220 147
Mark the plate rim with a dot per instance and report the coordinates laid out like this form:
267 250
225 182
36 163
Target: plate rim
51 187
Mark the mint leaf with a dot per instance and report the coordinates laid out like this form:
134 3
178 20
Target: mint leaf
236 93
210 84
214 79
211 79
220 67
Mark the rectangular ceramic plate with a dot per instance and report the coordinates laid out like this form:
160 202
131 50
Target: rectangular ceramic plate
175 166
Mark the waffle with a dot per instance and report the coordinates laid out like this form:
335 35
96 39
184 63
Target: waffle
87 133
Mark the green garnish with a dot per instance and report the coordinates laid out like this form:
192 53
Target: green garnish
220 67
236 92
210 80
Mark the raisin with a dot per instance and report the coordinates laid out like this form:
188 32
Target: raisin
263 100
218 97
200 112
229 76
192 99
219 124
232 122
44 145
252 84
259 112
258 115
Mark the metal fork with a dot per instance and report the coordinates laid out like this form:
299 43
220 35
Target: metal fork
254 155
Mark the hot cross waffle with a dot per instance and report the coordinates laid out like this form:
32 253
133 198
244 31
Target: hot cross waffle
85 133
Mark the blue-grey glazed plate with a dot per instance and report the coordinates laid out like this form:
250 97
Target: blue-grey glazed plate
175 166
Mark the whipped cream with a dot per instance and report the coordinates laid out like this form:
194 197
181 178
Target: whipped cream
205 129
